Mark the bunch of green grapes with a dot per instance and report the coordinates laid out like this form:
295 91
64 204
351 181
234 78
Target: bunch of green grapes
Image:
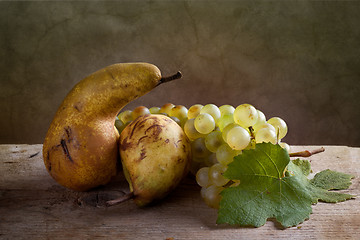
217 135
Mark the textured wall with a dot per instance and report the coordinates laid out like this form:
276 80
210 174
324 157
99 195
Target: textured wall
297 60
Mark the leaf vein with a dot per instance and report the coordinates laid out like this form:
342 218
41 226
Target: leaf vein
272 161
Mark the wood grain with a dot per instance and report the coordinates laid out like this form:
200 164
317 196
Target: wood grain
34 206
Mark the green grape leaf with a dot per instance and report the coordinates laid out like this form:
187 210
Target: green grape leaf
271 186
331 180
304 165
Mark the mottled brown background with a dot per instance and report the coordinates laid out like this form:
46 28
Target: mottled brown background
297 60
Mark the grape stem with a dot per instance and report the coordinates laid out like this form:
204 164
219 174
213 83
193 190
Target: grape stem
307 153
251 129
121 199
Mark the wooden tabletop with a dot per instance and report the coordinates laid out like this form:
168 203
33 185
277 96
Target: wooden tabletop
34 206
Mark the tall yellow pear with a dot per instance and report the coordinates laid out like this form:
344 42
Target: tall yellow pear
80 149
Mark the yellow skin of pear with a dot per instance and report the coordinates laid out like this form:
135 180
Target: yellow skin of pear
80 149
156 156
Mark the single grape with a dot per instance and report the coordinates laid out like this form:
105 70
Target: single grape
213 140
265 135
139 111
179 111
202 177
216 175
194 110
190 130
204 123
211 195
238 138
154 110
125 116
227 129
280 126
245 115
226 109
285 146
199 149
211 109
166 108
225 120
225 154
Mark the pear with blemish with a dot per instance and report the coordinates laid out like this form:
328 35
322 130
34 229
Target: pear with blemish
81 146
155 154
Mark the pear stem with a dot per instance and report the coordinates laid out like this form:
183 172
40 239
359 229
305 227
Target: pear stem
170 78
121 199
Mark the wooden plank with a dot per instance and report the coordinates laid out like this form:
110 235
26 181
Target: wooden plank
34 206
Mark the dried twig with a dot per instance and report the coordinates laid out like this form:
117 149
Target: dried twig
307 153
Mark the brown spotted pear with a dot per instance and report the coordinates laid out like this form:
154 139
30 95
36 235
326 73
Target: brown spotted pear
155 155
